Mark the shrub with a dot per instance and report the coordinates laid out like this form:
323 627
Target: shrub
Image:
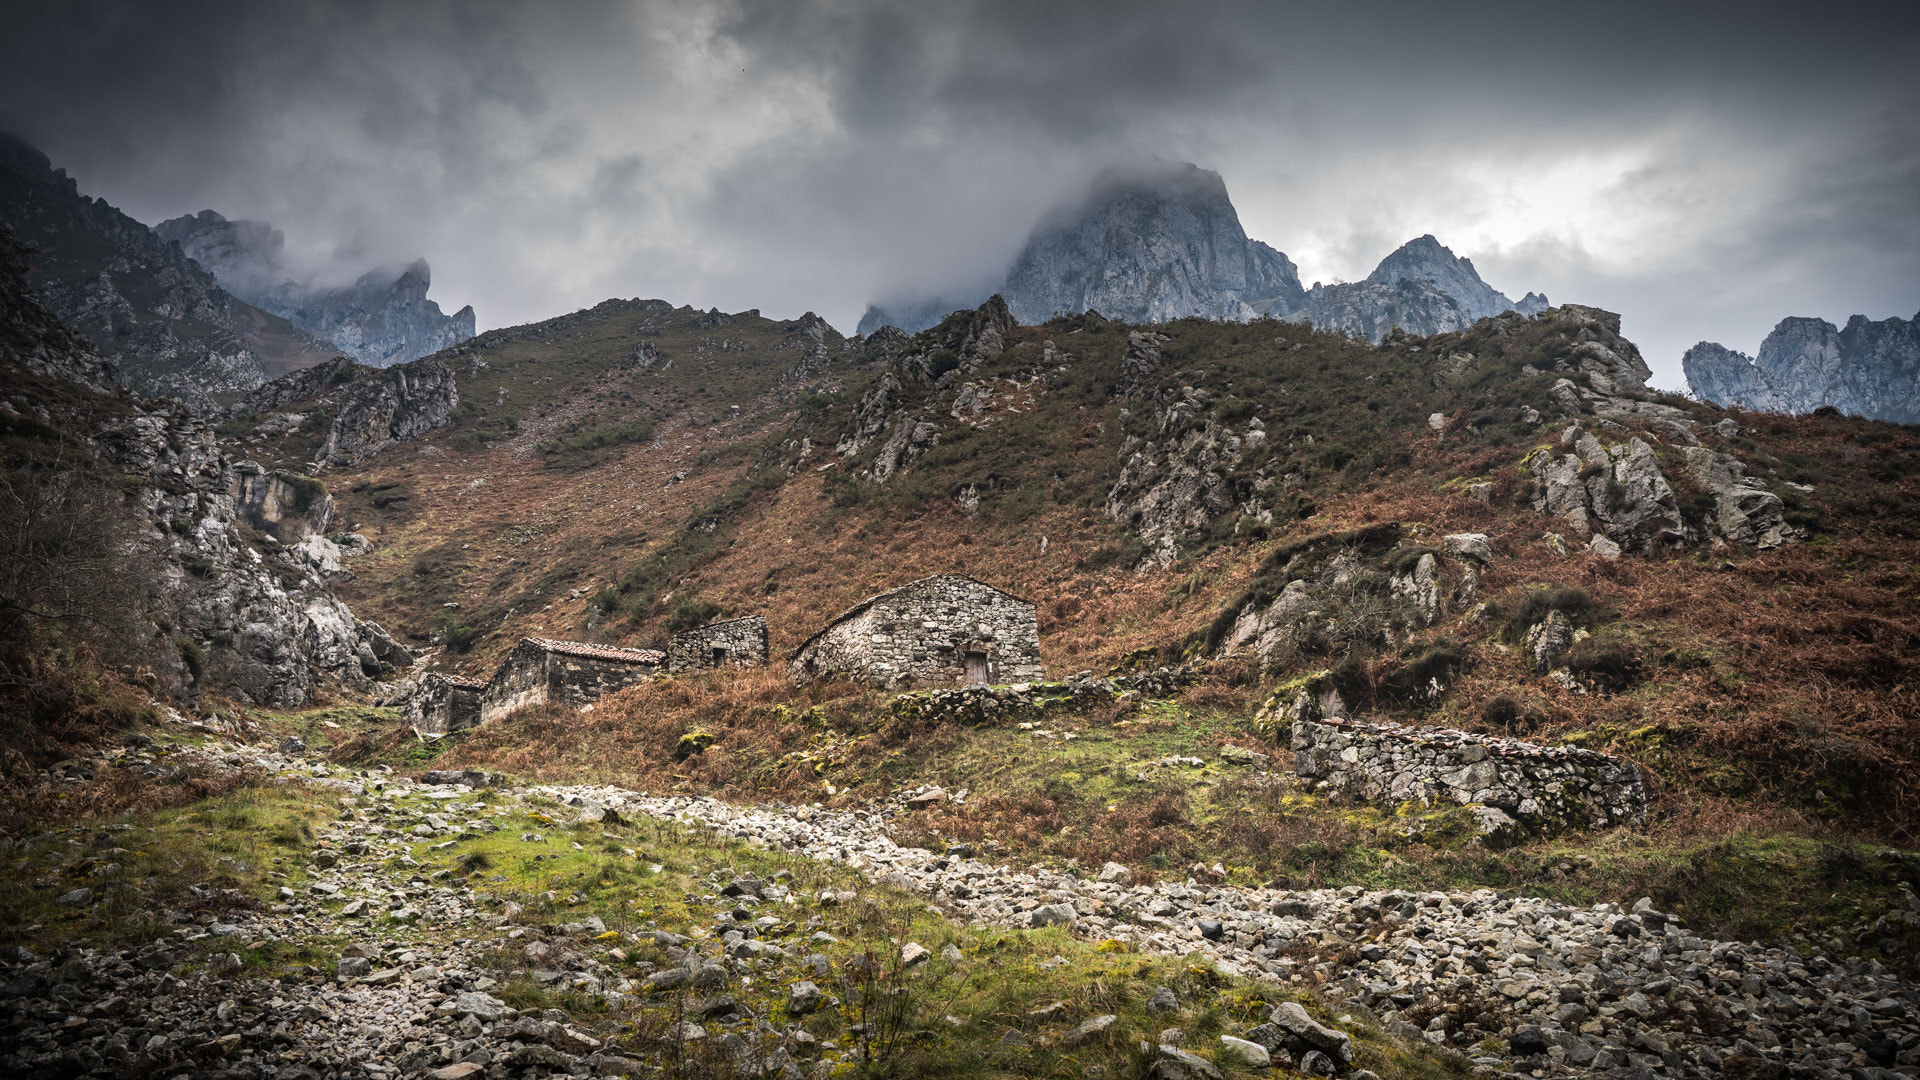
1515 614
1607 666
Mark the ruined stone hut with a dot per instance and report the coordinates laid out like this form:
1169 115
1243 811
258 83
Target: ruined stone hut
944 630
543 671
738 642
445 703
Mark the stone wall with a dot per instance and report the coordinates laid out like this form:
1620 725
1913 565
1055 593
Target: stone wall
543 671
920 634
974 705
445 704
1516 788
742 641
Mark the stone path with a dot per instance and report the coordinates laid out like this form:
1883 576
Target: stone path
1572 991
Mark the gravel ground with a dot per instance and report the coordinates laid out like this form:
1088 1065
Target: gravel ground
1522 986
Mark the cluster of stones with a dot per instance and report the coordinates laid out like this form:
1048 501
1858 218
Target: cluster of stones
1571 990
944 629
1514 788
1526 984
977 705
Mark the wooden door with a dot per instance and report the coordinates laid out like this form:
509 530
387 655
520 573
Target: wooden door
976 669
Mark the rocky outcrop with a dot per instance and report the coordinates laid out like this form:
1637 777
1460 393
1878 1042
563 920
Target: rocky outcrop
255 621
382 319
1174 484
1514 789
924 379
1617 490
164 322
32 339
379 410
1869 369
1422 289
1744 511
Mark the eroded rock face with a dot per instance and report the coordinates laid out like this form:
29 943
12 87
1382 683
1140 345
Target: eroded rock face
1616 490
1869 369
401 403
1151 245
1175 485
1423 288
262 623
1163 242
925 386
166 324
1744 511
382 319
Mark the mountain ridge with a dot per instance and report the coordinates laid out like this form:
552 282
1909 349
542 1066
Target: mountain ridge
381 319
1164 242
1868 368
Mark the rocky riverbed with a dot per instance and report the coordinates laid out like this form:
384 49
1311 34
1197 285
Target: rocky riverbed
407 956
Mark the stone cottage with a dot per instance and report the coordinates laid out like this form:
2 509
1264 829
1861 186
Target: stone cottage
946 630
543 671
736 642
445 703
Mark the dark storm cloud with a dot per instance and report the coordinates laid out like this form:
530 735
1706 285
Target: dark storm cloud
1703 169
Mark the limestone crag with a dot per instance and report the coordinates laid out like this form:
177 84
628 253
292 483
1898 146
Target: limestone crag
1164 242
1148 246
924 387
1174 484
33 338
1515 789
391 406
1869 369
1617 490
381 319
259 621
164 322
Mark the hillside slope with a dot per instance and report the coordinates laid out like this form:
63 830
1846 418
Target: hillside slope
1744 582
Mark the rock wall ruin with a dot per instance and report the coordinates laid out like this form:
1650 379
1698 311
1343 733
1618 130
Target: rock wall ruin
445 704
1515 788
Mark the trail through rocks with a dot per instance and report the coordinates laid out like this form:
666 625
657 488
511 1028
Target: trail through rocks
1524 986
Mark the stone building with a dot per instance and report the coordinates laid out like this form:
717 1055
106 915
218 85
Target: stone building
945 630
736 642
543 671
445 703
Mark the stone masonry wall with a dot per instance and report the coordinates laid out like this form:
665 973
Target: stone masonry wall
1517 788
539 671
445 704
919 634
745 642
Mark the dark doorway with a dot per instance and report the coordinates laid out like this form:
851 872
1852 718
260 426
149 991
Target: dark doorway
719 658
976 669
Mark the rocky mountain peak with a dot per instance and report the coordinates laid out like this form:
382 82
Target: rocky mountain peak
1155 242
382 319
1870 368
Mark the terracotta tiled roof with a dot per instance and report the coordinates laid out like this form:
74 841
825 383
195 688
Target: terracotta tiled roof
599 652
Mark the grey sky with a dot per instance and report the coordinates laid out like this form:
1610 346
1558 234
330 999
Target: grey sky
1705 170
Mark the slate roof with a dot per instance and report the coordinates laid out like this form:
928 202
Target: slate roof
587 651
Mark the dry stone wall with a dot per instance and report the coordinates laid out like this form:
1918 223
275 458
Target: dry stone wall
1515 788
738 642
921 634
445 704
